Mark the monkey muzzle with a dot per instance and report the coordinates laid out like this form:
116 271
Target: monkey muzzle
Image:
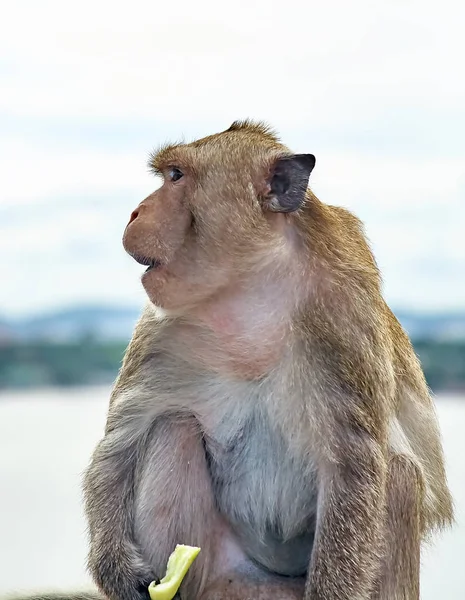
151 263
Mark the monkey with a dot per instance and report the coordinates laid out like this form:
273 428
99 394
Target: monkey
269 408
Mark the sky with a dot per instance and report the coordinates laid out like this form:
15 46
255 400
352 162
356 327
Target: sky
374 89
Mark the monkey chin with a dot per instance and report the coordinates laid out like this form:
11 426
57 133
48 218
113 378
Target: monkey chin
165 291
153 281
169 289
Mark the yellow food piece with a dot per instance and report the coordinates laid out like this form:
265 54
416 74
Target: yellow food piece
178 564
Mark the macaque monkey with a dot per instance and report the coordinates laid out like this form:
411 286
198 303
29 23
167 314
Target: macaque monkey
270 408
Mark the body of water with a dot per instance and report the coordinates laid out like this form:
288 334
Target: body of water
46 439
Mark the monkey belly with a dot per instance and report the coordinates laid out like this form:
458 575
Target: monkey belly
266 494
271 551
247 580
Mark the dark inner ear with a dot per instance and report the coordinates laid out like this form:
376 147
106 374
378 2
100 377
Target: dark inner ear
289 182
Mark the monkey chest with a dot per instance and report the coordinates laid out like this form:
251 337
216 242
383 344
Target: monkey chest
264 489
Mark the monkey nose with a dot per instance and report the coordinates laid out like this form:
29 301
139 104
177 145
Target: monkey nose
134 215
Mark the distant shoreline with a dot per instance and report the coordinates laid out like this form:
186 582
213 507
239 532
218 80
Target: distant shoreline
90 393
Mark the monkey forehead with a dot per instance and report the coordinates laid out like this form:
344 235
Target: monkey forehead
246 145
167 154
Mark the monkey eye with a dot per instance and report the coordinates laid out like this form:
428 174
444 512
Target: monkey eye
175 174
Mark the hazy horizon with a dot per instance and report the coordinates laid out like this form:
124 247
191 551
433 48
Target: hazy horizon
57 309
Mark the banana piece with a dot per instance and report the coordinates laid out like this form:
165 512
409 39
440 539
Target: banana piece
178 564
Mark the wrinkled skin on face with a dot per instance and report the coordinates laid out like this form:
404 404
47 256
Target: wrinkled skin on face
216 194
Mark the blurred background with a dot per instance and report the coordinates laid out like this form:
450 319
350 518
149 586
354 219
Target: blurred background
374 89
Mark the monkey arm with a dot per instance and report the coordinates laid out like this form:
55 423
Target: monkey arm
147 488
399 577
114 561
352 416
347 542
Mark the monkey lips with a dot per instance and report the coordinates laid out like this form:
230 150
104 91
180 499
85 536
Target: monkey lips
151 263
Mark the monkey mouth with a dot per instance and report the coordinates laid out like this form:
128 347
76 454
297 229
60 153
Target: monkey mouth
151 263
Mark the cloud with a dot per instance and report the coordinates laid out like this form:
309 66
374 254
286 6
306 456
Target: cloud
204 60
30 173
374 90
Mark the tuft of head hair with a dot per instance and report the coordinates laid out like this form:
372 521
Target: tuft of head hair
258 127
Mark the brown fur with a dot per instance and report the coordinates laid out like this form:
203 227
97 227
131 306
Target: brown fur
400 573
275 413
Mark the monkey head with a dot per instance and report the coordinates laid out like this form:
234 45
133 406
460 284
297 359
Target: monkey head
221 213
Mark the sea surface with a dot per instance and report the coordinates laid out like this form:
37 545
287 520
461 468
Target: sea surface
46 439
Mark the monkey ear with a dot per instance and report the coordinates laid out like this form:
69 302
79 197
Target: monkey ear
289 182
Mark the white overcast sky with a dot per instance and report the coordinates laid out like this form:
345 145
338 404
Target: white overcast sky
376 90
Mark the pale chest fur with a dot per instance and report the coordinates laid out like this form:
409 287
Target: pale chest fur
263 485
253 431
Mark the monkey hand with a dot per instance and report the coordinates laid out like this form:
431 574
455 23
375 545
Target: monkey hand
120 573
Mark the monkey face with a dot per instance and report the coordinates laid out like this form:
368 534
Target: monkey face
156 233
213 220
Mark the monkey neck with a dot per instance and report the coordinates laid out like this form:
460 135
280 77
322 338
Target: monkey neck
243 331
